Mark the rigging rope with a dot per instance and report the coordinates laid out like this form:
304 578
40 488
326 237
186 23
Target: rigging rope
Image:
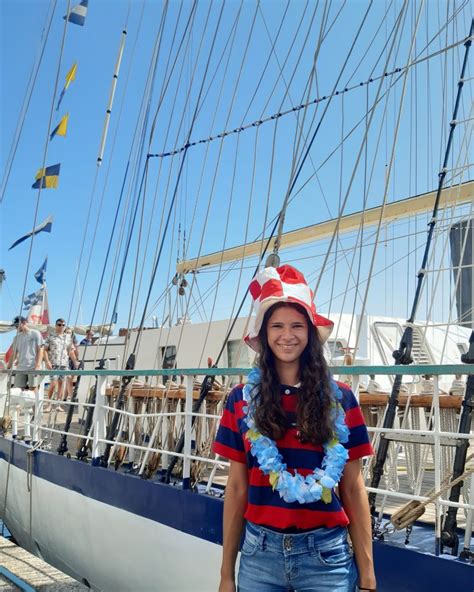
99 211
168 131
396 29
26 101
112 429
388 175
144 115
403 354
297 140
177 182
442 175
246 226
45 155
166 81
315 101
231 193
372 109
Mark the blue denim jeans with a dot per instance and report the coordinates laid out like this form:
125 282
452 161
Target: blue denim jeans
316 561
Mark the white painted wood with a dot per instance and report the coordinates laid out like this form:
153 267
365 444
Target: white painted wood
188 427
99 418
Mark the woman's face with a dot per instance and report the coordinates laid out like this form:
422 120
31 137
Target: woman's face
287 334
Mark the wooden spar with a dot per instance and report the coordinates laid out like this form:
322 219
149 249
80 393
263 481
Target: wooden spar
452 196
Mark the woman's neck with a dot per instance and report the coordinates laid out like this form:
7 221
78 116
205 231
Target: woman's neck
289 373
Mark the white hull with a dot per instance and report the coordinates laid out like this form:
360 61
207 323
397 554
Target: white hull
110 548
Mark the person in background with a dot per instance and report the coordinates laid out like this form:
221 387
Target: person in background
294 438
27 354
88 339
58 351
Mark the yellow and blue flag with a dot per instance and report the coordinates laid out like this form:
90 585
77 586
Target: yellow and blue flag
70 76
77 15
61 128
47 178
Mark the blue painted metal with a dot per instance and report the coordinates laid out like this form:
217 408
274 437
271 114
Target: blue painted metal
19 583
4 532
399 568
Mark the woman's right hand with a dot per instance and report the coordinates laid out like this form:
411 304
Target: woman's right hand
227 585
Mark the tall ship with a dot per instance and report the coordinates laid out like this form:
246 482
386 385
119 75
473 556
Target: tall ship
172 150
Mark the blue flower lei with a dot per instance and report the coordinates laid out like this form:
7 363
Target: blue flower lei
319 484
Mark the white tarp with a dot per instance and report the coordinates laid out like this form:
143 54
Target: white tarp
6 326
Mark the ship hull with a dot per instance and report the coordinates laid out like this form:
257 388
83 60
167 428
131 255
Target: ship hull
115 531
110 530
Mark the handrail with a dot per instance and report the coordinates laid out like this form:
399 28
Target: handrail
413 370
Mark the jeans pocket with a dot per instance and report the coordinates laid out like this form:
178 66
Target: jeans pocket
250 545
334 556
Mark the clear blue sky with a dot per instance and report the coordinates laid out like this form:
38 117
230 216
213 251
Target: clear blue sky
419 148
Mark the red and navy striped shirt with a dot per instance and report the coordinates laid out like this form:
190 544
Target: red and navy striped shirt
265 506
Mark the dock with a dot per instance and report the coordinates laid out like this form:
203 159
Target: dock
20 570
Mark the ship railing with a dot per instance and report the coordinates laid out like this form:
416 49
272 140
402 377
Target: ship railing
34 426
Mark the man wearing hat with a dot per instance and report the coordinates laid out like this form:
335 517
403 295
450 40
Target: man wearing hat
27 354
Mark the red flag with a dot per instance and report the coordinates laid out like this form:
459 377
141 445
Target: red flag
39 313
9 353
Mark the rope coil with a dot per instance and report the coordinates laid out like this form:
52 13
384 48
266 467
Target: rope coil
413 510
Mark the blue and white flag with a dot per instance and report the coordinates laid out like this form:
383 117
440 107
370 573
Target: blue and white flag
43 227
77 15
40 274
33 299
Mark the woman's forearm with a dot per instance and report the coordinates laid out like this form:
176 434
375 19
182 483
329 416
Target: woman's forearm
360 531
234 508
355 504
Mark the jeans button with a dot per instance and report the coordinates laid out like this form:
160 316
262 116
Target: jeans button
287 543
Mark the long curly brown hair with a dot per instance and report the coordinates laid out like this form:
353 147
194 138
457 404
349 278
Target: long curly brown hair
314 396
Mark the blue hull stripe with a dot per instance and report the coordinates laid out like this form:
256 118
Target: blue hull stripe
398 569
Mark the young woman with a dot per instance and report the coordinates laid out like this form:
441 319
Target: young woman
294 439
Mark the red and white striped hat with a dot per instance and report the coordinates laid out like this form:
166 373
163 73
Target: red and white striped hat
283 284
